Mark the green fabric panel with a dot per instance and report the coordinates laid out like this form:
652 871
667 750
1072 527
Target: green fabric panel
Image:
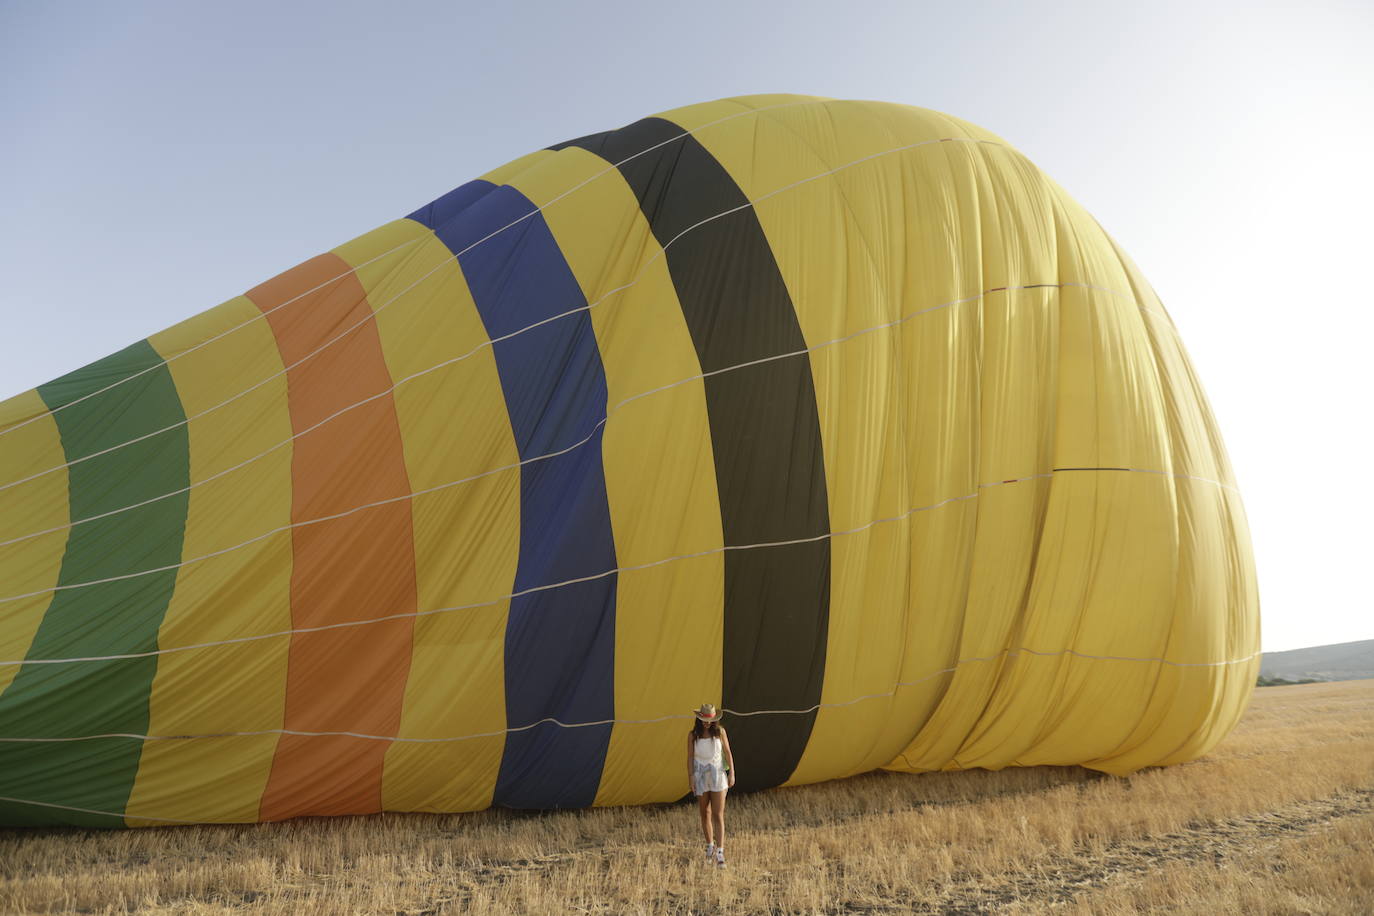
105 697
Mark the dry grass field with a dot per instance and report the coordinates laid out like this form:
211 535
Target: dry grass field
1279 819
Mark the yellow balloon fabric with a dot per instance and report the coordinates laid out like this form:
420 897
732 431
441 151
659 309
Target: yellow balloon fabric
839 414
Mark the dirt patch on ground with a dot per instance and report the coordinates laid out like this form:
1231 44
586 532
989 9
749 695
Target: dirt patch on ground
1062 878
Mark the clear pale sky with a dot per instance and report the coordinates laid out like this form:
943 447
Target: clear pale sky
159 158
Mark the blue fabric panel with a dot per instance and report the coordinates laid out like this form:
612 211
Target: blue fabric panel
560 643
443 210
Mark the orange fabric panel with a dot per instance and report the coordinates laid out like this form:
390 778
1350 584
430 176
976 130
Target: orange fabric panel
355 567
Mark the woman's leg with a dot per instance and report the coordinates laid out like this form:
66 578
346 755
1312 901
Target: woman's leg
718 816
704 805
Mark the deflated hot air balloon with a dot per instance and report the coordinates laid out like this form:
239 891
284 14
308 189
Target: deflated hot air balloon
838 413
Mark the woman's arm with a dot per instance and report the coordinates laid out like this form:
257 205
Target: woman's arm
690 755
729 757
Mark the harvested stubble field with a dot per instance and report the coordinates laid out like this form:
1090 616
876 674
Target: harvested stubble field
1279 819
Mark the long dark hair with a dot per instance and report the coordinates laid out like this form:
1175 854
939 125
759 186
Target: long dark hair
706 729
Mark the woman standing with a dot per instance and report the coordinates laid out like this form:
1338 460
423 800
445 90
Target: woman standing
711 771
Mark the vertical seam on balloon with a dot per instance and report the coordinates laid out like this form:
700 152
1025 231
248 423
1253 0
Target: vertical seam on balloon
769 649
277 337
1180 494
517 280
837 189
413 566
308 388
59 552
630 491
143 606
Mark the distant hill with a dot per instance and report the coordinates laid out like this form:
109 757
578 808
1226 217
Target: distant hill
1341 662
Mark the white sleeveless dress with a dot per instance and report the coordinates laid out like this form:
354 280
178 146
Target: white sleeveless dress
708 766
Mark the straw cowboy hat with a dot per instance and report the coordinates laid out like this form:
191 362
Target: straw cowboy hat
706 713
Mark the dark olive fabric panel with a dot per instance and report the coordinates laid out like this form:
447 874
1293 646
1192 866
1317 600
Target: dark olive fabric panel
111 618
765 433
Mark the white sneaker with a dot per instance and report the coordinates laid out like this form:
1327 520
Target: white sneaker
710 853
720 857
